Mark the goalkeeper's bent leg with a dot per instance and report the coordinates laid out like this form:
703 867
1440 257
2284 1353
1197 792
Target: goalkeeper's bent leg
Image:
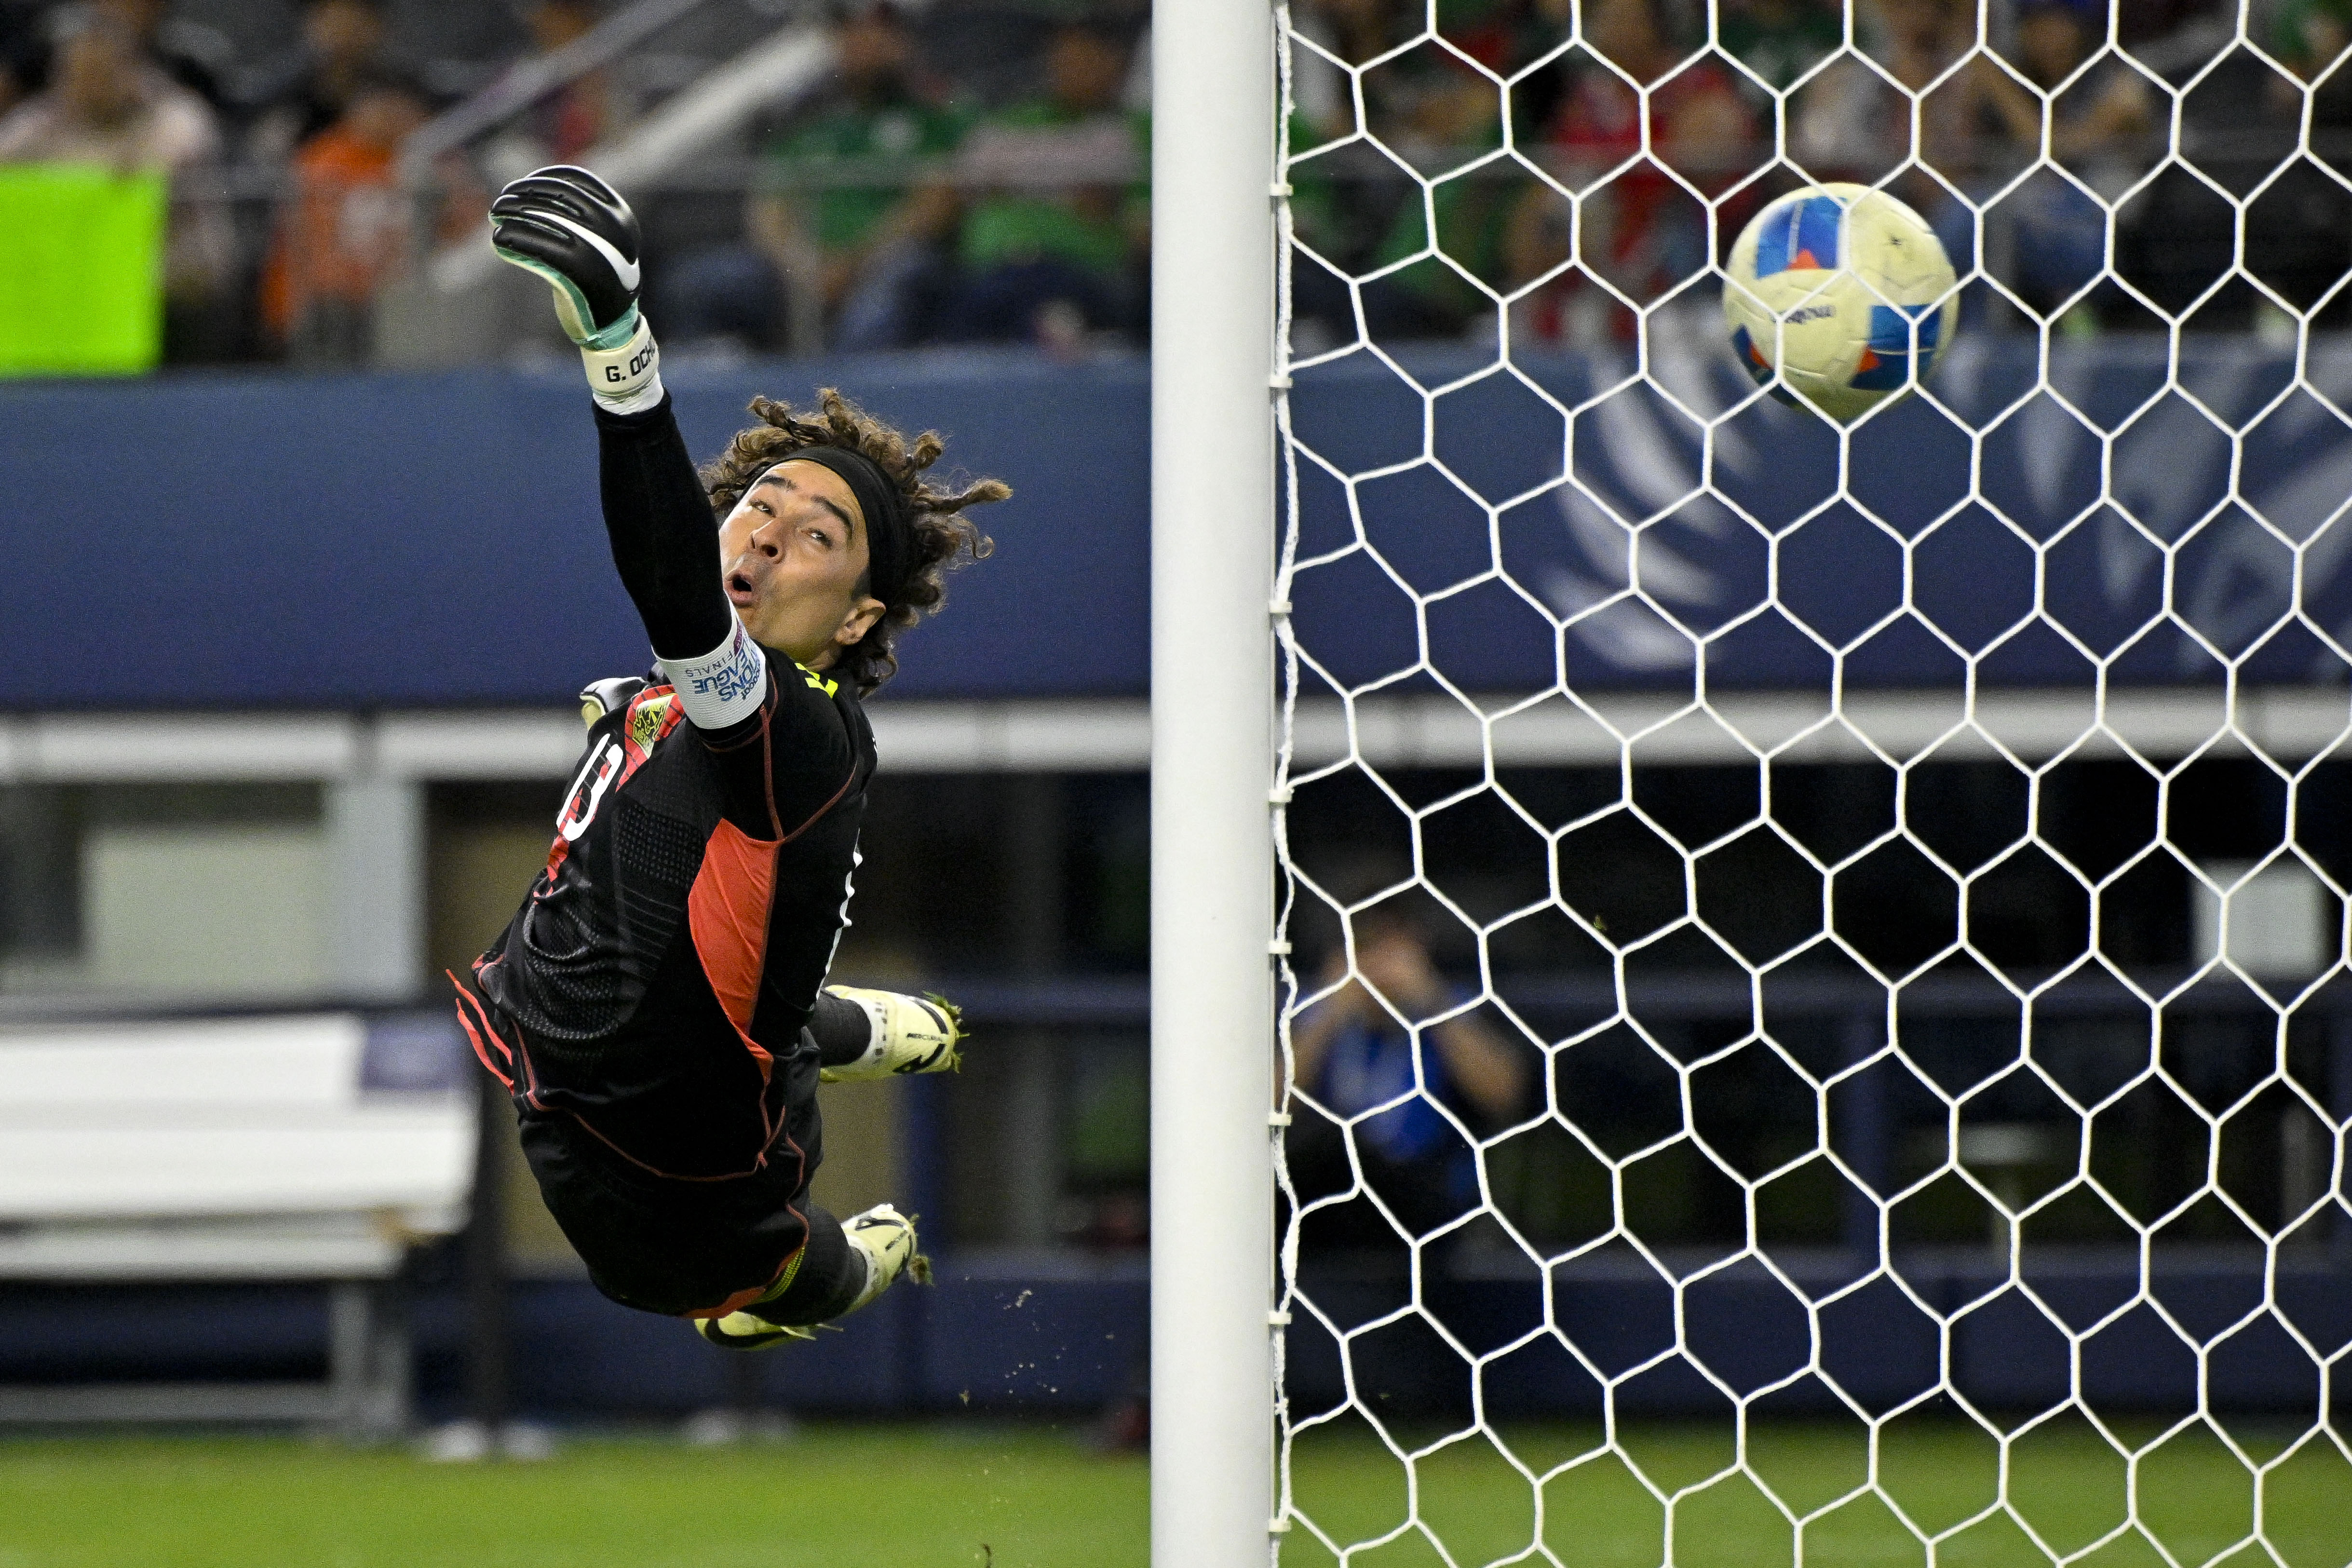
831 1274
844 1264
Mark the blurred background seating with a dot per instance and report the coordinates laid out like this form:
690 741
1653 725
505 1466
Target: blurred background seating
201 1153
973 171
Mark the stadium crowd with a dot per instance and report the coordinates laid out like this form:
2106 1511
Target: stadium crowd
1670 148
976 172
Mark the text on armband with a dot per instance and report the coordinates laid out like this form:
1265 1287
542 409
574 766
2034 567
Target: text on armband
740 676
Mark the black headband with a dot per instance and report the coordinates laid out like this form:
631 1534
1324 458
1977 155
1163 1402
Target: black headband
890 528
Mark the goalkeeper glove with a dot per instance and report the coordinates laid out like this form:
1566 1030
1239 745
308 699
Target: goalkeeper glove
575 231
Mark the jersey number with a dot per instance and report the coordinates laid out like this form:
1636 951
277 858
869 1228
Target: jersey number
588 790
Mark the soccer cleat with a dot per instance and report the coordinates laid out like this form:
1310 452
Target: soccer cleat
887 1240
908 1034
743 1331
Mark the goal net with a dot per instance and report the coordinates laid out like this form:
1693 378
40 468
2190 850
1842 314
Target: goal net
1814 1023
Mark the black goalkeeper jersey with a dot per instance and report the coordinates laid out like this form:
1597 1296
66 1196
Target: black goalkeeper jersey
661 971
647 1006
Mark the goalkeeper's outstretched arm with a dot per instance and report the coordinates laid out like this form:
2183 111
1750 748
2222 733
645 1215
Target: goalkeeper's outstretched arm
570 228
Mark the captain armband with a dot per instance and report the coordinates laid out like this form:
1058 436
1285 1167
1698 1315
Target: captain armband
723 687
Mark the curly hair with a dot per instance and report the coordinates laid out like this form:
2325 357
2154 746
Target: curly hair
941 532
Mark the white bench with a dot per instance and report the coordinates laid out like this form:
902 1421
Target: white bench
305 1148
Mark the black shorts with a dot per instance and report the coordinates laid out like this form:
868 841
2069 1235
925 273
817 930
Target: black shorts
681 1248
674 1246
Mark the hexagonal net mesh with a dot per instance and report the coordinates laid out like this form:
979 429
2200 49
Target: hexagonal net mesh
1815 1025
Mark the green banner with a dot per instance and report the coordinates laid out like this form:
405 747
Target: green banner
81 291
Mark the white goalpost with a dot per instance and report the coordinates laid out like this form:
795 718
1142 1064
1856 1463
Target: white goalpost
1213 500
1727 987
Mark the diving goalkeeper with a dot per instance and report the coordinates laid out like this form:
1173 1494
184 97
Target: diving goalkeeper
658 1007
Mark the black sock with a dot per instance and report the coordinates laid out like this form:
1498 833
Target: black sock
831 1273
842 1028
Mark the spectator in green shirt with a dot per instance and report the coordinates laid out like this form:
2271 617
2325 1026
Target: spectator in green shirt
1058 220
845 241
1449 118
1781 40
862 204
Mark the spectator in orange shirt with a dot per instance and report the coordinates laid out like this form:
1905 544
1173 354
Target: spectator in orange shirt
346 231
303 92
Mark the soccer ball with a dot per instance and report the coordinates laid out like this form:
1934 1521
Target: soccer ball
1845 292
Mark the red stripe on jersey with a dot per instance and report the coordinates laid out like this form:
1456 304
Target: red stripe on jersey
727 911
518 1062
474 1035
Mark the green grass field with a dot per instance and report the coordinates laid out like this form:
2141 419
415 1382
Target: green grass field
2067 1486
863 1495
1019 1497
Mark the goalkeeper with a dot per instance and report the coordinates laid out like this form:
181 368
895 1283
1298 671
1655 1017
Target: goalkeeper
656 1006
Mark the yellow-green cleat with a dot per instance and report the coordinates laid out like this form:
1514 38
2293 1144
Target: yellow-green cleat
886 1238
908 1034
745 1331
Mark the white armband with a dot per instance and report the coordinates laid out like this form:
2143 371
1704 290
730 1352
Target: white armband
723 687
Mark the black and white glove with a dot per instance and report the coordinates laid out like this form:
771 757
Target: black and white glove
575 231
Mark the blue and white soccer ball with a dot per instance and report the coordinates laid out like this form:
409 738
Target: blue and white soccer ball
1845 292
